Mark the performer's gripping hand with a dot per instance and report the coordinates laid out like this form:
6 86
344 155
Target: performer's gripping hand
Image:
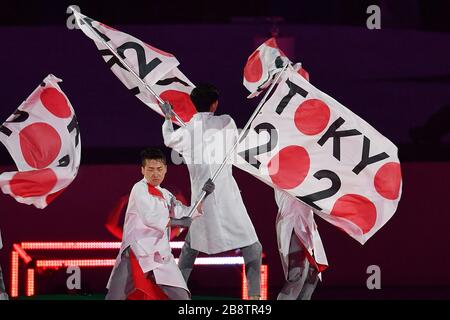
208 187
167 109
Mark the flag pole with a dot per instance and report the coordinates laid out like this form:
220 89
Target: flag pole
146 86
241 135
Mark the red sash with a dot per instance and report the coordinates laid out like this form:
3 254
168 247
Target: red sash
144 288
154 192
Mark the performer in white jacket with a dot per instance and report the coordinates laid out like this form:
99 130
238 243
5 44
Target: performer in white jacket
225 224
146 233
3 294
300 247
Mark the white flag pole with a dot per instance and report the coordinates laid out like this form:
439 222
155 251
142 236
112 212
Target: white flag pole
243 132
146 86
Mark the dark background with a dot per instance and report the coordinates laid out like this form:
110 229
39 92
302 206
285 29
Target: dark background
396 78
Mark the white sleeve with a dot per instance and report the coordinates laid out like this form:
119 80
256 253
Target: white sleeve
180 210
231 124
172 138
150 211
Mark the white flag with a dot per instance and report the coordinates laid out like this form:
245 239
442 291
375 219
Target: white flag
43 138
307 143
156 67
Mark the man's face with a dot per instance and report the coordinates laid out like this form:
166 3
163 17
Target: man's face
154 171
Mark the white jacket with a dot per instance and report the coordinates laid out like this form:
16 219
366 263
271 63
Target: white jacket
203 143
294 216
146 232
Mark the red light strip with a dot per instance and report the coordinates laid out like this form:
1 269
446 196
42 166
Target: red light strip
264 286
264 282
85 263
25 257
59 263
218 261
14 274
93 245
18 250
30 282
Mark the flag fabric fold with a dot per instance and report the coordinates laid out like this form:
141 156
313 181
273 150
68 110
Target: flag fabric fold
305 142
157 68
43 138
264 64
144 288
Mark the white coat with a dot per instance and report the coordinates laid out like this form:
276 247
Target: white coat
203 143
294 216
146 232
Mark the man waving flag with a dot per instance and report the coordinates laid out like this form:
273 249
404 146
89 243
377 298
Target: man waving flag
138 64
310 145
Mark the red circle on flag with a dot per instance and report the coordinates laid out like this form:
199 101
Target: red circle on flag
388 180
253 69
312 116
181 103
52 196
40 144
289 167
357 209
159 51
303 73
55 102
272 42
34 183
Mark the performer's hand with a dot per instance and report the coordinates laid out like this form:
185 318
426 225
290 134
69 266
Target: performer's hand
167 110
209 187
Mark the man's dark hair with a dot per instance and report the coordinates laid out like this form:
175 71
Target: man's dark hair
152 154
203 96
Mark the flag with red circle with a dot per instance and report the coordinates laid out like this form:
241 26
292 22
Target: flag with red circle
155 67
175 88
307 143
263 65
43 138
